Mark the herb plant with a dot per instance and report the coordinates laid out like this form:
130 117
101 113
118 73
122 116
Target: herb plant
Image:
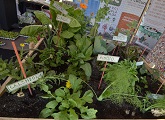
67 103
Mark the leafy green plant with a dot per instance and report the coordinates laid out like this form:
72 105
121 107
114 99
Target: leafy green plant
80 53
121 79
67 103
130 52
9 35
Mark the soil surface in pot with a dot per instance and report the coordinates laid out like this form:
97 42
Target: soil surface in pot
30 106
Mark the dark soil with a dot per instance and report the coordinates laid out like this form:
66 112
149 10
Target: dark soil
30 106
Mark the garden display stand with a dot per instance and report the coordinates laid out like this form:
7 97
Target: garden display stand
2 88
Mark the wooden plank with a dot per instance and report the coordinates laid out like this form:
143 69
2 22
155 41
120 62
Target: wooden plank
2 88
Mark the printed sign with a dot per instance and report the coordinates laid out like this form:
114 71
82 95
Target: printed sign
24 82
63 19
108 25
157 56
58 7
131 12
152 25
108 58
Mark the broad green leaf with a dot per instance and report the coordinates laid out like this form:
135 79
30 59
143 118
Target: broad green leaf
63 115
72 103
67 34
74 30
77 36
45 113
42 17
73 115
87 97
73 50
80 55
52 104
89 53
59 99
44 87
87 69
98 47
65 104
76 83
74 23
88 113
58 41
31 30
60 93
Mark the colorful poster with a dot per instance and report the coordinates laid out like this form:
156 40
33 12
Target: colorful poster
152 26
131 12
157 56
108 25
92 6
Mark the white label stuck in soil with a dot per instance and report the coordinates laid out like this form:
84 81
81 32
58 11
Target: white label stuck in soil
58 7
24 82
108 58
63 19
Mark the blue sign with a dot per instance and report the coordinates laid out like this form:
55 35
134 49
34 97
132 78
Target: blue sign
92 6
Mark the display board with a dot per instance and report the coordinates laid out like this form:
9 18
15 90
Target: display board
157 56
92 6
120 14
153 25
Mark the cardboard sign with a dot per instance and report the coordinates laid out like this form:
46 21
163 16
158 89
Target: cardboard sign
24 82
63 19
108 58
58 7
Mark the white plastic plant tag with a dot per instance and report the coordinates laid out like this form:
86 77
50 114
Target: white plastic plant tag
121 37
24 82
63 19
139 63
108 58
58 7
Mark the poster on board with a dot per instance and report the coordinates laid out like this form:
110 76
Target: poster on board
157 56
131 13
152 26
108 25
120 15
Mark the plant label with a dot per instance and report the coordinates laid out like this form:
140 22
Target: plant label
121 38
58 7
63 19
108 58
139 63
24 82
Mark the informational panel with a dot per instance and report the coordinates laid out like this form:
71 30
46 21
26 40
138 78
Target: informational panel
108 25
153 25
92 6
131 12
157 56
120 15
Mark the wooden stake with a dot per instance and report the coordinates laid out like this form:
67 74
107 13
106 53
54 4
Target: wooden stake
2 88
20 63
140 20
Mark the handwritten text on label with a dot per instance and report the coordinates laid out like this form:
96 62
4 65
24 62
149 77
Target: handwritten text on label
121 37
108 58
24 82
58 7
63 19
